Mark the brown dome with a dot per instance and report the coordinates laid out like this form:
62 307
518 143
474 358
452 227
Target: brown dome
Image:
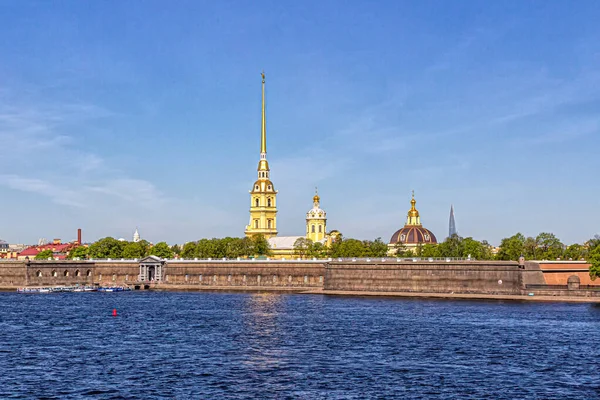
413 235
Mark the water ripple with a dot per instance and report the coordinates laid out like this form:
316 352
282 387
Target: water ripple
239 346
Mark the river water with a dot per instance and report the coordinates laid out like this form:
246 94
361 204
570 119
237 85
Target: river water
232 345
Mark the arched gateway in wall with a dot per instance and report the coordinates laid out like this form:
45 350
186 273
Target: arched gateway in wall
151 269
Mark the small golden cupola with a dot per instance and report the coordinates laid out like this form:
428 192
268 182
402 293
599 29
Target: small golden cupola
316 220
413 218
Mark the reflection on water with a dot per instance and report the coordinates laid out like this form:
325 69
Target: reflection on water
260 315
216 345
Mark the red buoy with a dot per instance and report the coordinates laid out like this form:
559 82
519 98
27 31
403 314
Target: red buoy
114 312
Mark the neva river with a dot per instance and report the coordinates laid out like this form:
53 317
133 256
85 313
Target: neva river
225 345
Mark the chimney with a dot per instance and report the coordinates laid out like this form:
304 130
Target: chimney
79 236
56 241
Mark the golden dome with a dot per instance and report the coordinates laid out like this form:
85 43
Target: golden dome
413 211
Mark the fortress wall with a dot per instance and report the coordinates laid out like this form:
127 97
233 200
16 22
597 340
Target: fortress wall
558 272
59 273
108 273
427 277
287 274
406 276
12 274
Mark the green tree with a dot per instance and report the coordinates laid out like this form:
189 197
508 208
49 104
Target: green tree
429 250
511 248
44 255
162 250
451 247
137 250
576 252
260 245
318 250
400 250
530 249
594 260
593 243
350 248
207 248
549 245
376 248
107 248
302 246
79 253
189 250
176 249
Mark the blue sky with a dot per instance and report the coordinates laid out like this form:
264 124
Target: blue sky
117 114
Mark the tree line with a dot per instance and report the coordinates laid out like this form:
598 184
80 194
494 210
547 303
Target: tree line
204 248
544 246
109 247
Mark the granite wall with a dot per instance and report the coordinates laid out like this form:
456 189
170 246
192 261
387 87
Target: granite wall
216 273
490 277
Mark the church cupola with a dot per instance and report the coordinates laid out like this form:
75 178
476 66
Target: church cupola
316 220
412 217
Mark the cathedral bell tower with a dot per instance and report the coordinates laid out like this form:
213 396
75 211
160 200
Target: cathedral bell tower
263 204
316 221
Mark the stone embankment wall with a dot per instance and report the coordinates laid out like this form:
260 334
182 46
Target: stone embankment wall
284 274
422 276
287 274
12 274
483 277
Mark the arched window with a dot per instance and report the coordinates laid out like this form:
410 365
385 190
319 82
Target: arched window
77 273
313 229
38 274
255 224
88 273
256 202
269 202
320 229
66 273
54 273
269 223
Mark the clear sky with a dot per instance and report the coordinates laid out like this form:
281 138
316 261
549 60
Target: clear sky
117 114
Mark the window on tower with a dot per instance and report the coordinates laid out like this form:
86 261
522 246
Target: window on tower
256 202
269 223
320 228
269 202
313 229
255 224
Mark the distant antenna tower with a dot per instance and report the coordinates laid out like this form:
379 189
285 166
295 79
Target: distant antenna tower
452 223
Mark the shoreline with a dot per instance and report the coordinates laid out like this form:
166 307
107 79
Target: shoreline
355 293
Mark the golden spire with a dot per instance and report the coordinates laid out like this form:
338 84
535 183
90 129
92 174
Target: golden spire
316 199
263 131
